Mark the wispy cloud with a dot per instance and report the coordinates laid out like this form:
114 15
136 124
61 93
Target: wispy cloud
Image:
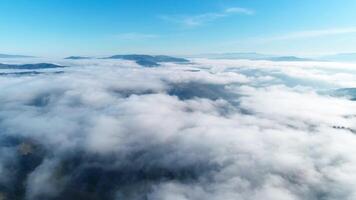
308 34
239 10
197 20
135 36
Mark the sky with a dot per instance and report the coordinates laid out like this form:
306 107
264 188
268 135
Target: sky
106 27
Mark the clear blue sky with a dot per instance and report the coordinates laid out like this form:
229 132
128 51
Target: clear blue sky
103 27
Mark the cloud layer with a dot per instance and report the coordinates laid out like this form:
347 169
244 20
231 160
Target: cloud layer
215 129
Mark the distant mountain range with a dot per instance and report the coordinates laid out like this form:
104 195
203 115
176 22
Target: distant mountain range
152 61
148 60
77 57
28 73
253 56
30 66
141 59
248 56
343 57
288 58
14 56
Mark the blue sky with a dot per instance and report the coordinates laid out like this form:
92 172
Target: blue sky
93 27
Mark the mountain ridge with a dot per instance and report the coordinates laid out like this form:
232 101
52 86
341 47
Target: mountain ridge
14 56
148 60
30 66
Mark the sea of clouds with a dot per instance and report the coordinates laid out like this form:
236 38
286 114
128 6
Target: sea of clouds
211 129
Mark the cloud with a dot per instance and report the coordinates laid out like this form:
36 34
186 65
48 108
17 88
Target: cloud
214 129
198 20
135 36
239 10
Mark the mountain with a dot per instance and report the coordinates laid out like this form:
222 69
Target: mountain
288 58
147 63
28 73
349 93
252 56
148 60
248 56
161 58
343 57
30 66
14 56
77 57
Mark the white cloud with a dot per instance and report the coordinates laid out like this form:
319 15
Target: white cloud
216 129
198 20
239 10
